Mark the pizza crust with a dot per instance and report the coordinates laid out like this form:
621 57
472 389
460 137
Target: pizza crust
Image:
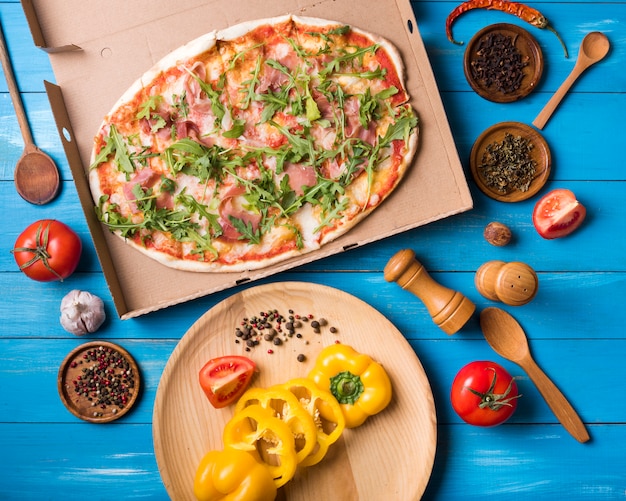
390 48
208 266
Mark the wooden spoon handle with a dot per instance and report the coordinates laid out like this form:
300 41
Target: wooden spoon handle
14 91
562 409
555 100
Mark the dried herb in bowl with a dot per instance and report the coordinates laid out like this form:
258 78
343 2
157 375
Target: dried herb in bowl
498 64
507 165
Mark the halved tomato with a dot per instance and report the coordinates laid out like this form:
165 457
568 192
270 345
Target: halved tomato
224 379
558 213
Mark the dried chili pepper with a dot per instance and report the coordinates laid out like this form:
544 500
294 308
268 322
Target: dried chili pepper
524 12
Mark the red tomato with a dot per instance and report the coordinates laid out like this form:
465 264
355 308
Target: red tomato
484 394
224 379
558 213
47 250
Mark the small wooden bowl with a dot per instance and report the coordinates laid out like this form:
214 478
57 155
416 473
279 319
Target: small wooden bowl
72 370
529 50
540 154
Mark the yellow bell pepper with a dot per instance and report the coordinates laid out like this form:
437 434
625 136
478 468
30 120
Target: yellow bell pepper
233 475
326 413
284 405
257 431
361 385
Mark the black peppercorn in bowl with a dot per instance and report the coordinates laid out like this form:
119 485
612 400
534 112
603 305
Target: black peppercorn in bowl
99 382
503 63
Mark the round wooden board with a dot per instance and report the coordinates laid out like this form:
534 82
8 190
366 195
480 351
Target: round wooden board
529 50
540 154
389 457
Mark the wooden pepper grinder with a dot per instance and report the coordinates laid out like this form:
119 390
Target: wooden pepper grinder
512 283
449 309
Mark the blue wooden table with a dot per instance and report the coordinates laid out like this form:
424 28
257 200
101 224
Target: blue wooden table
575 324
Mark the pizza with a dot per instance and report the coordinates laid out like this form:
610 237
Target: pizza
254 144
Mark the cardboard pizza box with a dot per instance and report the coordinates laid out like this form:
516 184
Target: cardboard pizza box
97 50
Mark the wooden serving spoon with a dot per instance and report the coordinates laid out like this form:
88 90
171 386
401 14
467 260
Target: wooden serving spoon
508 339
36 175
593 48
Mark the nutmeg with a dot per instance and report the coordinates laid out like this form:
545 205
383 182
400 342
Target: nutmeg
497 234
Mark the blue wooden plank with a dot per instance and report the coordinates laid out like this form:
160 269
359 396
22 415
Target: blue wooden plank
453 244
36 370
576 370
79 461
608 17
471 463
527 462
574 324
593 79
559 311
587 118
567 306
30 64
457 243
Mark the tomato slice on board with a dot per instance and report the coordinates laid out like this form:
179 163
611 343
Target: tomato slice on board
558 213
224 379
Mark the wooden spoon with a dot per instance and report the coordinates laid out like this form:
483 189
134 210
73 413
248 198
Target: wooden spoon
36 175
593 48
508 339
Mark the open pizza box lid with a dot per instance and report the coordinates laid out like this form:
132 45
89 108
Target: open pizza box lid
97 50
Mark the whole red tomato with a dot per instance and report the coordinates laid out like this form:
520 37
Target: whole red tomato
47 250
484 394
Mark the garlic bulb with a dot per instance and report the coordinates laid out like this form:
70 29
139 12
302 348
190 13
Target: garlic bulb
82 312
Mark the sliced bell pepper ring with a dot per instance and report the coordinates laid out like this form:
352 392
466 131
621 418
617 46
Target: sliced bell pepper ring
361 385
233 475
266 437
326 414
284 405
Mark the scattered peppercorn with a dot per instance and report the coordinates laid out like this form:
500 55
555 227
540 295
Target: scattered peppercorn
301 357
272 326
